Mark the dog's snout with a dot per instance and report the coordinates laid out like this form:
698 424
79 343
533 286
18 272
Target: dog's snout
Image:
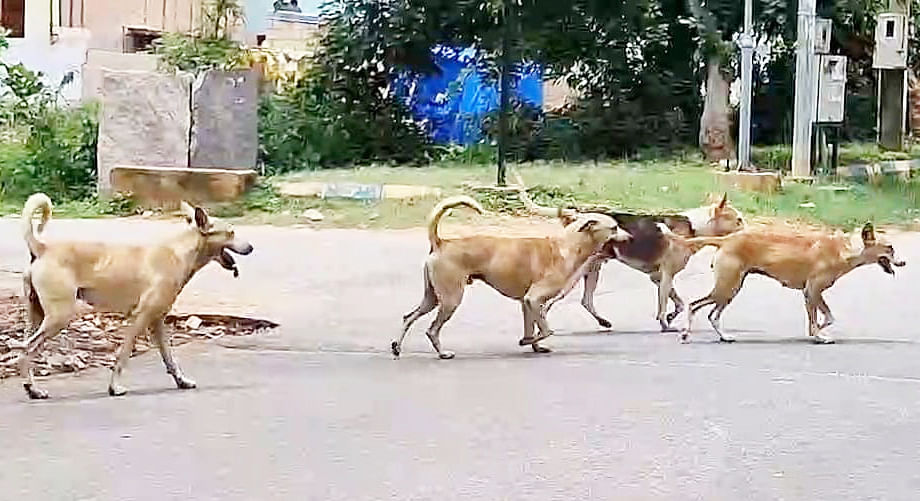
622 235
241 248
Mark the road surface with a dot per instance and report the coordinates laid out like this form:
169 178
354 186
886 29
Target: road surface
319 409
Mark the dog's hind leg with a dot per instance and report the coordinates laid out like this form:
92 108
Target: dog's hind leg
36 313
445 311
694 306
47 329
429 302
158 335
587 298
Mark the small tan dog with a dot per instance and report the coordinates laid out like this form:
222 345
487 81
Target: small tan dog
530 270
807 261
141 282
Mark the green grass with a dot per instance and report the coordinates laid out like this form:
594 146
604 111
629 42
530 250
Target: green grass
655 186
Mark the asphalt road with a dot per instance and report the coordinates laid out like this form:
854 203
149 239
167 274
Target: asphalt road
319 410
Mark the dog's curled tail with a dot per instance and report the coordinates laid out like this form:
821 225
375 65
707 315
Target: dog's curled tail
33 204
434 218
698 243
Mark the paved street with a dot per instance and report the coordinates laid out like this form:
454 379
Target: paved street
319 410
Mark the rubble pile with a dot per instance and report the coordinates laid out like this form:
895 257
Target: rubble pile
92 339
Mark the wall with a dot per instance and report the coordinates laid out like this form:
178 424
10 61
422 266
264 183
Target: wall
106 18
54 57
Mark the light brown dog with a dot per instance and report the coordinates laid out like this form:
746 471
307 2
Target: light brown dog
141 282
530 270
807 261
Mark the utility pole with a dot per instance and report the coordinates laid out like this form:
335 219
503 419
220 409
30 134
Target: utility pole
747 69
504 94
804 90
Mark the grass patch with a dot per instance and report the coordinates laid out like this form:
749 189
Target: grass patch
652 185
655 186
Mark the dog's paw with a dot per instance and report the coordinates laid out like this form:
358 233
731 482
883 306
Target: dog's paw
540 349
184 383
117 390
723 339
823 340
684 337
671 316
35 393
394 349
604 323
446 355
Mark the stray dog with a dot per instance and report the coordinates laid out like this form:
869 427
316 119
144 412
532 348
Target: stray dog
530 270
141 282
810 262
651 249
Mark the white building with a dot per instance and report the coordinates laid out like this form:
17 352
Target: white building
42 44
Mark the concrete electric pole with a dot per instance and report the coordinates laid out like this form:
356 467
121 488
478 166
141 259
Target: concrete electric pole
746 43
805 90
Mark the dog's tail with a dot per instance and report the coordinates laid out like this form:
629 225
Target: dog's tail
439 210
33 204
698 243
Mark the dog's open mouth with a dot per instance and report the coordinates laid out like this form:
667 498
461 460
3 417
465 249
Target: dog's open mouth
227 262
885 262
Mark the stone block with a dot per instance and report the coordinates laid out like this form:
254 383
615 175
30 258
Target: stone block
100 61
225 120
144 121
764 182
166 187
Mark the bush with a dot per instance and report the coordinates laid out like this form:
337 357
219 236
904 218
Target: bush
57 156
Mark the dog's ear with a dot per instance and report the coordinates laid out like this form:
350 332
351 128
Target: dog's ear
201 219
567 216
868 234
587 225
723 202
187 211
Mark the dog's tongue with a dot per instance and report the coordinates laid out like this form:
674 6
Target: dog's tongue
886 263
228 263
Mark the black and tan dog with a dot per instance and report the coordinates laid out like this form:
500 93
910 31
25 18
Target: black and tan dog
141 282
529 270
807 261
651 250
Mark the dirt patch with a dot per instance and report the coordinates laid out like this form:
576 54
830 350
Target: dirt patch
92 339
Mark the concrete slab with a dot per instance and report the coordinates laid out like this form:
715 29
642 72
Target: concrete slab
167 186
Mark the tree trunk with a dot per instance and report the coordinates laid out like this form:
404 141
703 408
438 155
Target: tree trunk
715 127
913 99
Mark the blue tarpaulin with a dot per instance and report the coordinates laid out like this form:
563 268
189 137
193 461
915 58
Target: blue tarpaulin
453 103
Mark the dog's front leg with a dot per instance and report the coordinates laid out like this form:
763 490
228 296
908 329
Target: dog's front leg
813 302
535 302
826 311
587 298
124 353
158 334
811 307
665 286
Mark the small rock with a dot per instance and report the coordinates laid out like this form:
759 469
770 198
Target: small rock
313 215
147 213
193 322
808 205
